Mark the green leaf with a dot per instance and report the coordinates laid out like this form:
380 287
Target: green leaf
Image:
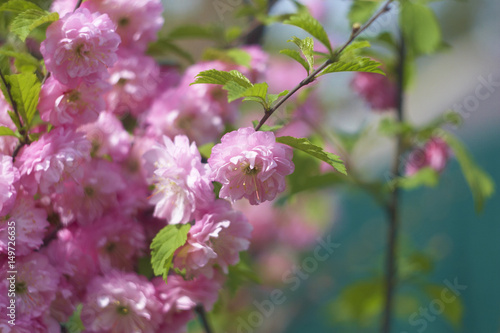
423 177
306 146
480 183
257 92
240 274
308 23
295 55
164 245
452 311
23 56
192 31
213 76
360 302
350 61
234 90
234 56
5 131
14 119
144 267
165 46
25 90
361 11
306 45
26 21
74 323
19 6
420 28
271 98
206 149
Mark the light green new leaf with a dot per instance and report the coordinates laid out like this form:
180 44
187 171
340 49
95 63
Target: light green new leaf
356 64
213 76
420 28
258 91
28 20
453 310
271 98
192 31
423 177
5 131
19 6
306 146
23 56
164 245
74 323
480 183
25 90
308 23
361 11
295 55
234 91
306 45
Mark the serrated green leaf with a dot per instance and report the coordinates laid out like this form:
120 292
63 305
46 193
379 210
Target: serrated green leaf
308 23
213 76
19 6
5 131
306 146
295 55
271 98
240 57
306 46
480 183
25 90
14 119
24 56
355 64
164 245
420 28
258 91
28 20
234 91
452 311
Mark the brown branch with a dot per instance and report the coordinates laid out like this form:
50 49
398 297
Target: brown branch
356 31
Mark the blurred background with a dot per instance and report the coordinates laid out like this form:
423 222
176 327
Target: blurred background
440 229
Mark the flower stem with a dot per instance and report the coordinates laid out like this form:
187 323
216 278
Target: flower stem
393 206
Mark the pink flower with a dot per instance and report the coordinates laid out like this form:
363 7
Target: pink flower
7 143
108 137
63 7
116 241
250 164
36 284
42 324
30 222
215 239
179 177
377 90
9 175
55 157
134 78
81 45
61 105
121 303
95 193
435 154
137 21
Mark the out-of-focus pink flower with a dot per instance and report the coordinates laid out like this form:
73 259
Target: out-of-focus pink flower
435 154
81 45
215 239
42 324
179 177
115 240
258 63
70 256
137 21
121 303
61 105
63 7
95 193
108 137
9 175
250 164
30 223
55 157
134 78
7 143
36 284
376 89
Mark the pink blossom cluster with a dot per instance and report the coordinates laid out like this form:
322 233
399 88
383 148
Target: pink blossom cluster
377 90
434 154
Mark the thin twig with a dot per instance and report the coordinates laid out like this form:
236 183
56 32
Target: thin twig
79 3
200 310
355 33
393 204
